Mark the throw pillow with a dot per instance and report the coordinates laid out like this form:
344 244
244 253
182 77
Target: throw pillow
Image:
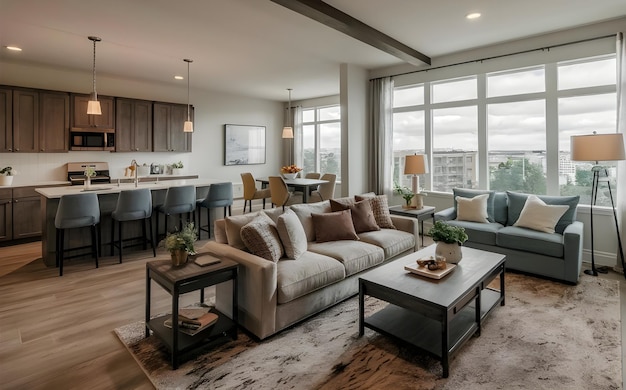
334 226
291 234
472 209
304 211
469 193
537 215
362 214
517 201
380 208
233 227
261 238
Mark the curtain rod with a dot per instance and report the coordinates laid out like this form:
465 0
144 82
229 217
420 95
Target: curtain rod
498 56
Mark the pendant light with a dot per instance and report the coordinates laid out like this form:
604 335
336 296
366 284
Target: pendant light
188 126
93 106
288 130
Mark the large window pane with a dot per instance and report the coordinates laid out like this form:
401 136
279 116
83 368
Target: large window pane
329 114
578 116
517 146
408 96
308 116
408 138
330 149
455 148
308 148
452 91
587 74
515 83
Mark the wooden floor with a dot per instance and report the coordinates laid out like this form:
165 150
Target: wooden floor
57 332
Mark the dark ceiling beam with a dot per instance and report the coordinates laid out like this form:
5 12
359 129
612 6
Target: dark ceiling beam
334 18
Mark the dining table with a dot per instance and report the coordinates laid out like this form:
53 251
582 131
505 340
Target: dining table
304 185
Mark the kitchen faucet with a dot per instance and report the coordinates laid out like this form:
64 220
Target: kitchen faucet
134 165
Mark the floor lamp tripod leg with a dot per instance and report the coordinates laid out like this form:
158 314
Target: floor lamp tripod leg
594 192
619 237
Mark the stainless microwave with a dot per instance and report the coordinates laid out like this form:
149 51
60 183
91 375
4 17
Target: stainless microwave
92 140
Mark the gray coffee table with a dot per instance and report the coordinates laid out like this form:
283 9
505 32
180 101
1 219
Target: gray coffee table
436 316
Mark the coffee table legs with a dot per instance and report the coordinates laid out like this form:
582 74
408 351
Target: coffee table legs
361 309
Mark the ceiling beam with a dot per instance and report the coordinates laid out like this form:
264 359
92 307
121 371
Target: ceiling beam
334 18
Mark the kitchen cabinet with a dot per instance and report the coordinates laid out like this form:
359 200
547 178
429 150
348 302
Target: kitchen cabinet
26 213
25 121
133 125
54 124
168 134
6 119
83 121
6 214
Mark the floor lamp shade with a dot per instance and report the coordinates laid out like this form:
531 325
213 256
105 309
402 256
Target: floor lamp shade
597 147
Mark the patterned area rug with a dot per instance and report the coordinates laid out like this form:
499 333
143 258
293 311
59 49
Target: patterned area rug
548 336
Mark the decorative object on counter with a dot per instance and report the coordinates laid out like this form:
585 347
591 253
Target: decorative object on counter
143 170
177 168
156 169
290 171
188 126
449 240
405 193
180 244
6 176
89 173
93 106
416 164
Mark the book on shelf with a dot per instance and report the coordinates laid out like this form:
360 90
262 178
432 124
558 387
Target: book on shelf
193 326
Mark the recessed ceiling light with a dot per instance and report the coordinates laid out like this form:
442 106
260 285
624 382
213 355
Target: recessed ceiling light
13 48
473 15
179 77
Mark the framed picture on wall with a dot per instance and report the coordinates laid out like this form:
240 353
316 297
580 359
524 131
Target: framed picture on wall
244 145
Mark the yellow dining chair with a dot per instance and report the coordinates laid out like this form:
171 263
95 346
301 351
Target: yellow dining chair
250 192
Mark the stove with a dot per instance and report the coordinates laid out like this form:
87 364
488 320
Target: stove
76 172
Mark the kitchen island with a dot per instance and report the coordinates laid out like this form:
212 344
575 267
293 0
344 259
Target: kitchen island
107 196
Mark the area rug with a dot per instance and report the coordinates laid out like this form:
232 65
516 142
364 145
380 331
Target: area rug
548 336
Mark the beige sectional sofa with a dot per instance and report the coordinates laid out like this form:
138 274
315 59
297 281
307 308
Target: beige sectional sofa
277 293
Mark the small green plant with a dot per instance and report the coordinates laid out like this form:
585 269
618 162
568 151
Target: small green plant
405 192
177 164
182 240
449 234
7 171
90 172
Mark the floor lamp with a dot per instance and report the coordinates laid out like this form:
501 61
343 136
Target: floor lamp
599 147
416 164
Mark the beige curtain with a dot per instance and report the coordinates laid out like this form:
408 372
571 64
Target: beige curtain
381 135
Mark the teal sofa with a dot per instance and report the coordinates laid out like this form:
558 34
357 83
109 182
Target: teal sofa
555 255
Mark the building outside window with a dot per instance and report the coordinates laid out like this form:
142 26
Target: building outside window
321 140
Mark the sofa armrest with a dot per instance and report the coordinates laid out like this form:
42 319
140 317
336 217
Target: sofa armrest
445 215
573 250
257 281
409 225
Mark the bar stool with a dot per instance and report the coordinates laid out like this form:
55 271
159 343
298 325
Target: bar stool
178 200
76 211
132 205
219 195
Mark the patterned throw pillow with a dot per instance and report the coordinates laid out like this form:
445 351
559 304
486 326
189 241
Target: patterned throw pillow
362 215
261 238
380 208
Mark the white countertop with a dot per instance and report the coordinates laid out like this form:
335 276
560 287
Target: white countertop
113 188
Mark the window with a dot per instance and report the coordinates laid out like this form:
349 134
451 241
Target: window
408 129
321 140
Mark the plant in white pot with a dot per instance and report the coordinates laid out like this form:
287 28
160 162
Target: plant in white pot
177 168
405 193
6 176
449 240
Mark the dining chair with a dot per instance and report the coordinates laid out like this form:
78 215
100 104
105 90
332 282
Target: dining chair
313 175
326 190
219 195
281 196
250 192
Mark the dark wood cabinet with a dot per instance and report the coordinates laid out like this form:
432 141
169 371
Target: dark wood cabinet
168 134
54 121
6 215
82 120
6 120
25 121
133 125
26 213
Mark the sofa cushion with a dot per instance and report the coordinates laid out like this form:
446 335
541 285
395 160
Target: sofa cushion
482 233
355 255
549 244
539 216
233 229
392 241
472 209
517 201
334 226
380 208
362 214
296 278
261 238
274 213
304 210
469 193
291 234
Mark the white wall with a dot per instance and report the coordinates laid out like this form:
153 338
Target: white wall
212 111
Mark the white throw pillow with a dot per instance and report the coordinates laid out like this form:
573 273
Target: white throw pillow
537 215
291 234
472 209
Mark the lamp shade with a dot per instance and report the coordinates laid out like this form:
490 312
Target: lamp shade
287 132
597 147
93 108
188 127
416 164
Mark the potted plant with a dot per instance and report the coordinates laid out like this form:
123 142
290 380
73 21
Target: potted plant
6 176
177 168
89 173
406 194
180 244
290 171
449 240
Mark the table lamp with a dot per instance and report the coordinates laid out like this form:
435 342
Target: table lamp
416 164
599 147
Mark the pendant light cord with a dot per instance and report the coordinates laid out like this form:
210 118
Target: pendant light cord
94 40
289 109
188 61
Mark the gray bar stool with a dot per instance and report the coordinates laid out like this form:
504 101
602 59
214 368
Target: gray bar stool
76 211
178 200
133 205
219 195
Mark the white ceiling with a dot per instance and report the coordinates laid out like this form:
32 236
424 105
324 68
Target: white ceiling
258 48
